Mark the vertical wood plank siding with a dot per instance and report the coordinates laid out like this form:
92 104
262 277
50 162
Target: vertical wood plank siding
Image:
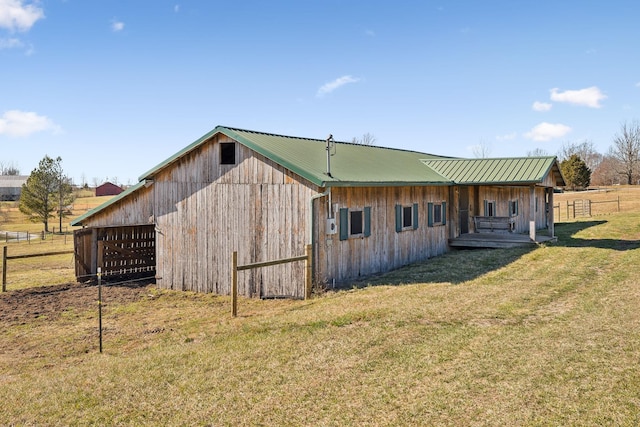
136 209
385 249
204 211
503 195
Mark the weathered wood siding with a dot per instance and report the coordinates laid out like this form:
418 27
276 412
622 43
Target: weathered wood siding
504 195
134 209
204 211
385 249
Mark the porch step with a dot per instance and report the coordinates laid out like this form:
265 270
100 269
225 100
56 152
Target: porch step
497 240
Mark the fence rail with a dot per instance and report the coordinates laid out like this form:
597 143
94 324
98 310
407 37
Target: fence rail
6 257
307 258
580 207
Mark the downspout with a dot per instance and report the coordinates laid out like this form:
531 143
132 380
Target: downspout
311 212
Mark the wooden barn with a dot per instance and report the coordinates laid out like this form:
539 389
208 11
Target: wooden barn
363 210
108 189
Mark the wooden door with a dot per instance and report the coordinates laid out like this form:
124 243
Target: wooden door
463 209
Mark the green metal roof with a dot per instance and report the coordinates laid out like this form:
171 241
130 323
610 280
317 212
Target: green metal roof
518 170
355 165
89 213
351 164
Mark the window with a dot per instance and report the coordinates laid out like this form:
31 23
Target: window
227 153
437 214
406 217
513 208
356 223
489 208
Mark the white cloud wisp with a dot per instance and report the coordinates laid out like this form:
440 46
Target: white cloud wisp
589 97
547 131
17 123
333 85
541 106
18 15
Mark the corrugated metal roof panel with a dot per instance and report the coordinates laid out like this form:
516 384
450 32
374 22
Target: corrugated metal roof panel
518 170
351 164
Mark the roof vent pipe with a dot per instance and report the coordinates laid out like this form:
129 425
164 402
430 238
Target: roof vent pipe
330 146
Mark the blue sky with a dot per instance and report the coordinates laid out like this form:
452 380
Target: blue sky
115 87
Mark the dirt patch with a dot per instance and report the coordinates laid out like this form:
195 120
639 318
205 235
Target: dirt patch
22 305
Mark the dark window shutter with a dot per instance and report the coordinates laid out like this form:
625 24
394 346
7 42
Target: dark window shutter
430 214
344 223
486 208
444 213
367 221
415 216
398 218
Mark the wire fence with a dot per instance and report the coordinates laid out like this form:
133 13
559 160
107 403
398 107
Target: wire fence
30 237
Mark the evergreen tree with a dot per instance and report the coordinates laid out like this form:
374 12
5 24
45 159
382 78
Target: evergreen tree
576 173
46 192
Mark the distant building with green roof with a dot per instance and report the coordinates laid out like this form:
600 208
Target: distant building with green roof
363 209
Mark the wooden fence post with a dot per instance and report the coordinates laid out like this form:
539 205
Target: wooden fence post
4 269
234 284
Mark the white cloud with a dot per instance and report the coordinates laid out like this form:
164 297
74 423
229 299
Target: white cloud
117 26
24 123
638 84
370 33
541 106
547 131
18 15
176 8
507 137
589 97
10 43
331 86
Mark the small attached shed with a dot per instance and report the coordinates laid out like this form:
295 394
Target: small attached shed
363 210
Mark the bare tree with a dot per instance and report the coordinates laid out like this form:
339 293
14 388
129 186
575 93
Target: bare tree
626 149
365 139
537 152
9 169
482 150
585 150
607 172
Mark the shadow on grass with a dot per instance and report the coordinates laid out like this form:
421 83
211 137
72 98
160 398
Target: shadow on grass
456 266
461 265
567 231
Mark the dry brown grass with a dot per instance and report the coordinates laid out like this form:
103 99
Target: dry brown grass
40 271
547 336
604 201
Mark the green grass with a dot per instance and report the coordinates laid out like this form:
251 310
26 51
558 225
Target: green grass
546 336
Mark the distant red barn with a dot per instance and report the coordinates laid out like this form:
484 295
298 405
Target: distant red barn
108 189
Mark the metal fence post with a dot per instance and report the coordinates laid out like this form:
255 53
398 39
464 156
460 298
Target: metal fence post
4 269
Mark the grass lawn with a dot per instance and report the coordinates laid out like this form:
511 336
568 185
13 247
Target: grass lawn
544 336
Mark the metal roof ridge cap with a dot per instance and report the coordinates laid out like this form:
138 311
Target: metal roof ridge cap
232 133
180 153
